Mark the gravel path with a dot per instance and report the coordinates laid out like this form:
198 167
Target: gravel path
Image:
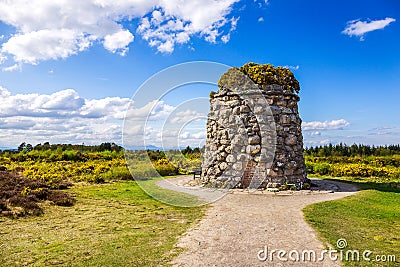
239 225
186 184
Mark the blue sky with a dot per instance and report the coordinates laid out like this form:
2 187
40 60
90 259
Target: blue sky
68 71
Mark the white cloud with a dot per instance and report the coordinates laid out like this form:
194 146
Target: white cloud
186 116
199 135
226 38
164 125
184 135
3 58
152 111
260 19
62 103
4 92
316 133
65 103
41 45
186 138
118 41
359 28
63 116
63 100
326 125
261 3
51 30
20 124
12 68
109 107
166 47
177 21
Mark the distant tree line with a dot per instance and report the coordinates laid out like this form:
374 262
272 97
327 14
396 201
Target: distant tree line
24 147
352 151
188 152
317 151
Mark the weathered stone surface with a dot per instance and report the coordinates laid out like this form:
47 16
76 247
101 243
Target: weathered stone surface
285 119
254 140
253 149
230 159
223 165
238 166
242 157
258 109
256 124
291 140
244 109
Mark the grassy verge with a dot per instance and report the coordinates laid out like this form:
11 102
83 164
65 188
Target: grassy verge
113 224
175 199
368 220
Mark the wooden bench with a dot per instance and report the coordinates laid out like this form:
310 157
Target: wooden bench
272 189
196 171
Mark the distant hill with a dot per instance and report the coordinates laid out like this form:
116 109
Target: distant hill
149 147
7 148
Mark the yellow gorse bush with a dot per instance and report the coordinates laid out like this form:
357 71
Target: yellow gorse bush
267 74
384 169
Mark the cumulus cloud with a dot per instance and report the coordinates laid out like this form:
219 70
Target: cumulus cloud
163 125
20 124
63 100
152 111
62 103
109 107
63 116
48 29
41 45
65 104
66 117
325 125
176 22
187 116
118 41
359 28
188 138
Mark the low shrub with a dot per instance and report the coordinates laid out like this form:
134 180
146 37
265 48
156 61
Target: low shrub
165 168
20 196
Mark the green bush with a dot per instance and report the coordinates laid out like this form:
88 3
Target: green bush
165 168
322 168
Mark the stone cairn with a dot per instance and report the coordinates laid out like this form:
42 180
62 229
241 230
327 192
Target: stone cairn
254 137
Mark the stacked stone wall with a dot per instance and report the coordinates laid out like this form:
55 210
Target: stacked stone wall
254 136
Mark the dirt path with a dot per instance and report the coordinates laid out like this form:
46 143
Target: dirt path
239 225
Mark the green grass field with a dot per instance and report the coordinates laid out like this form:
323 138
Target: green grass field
114 224
368 220
117 224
